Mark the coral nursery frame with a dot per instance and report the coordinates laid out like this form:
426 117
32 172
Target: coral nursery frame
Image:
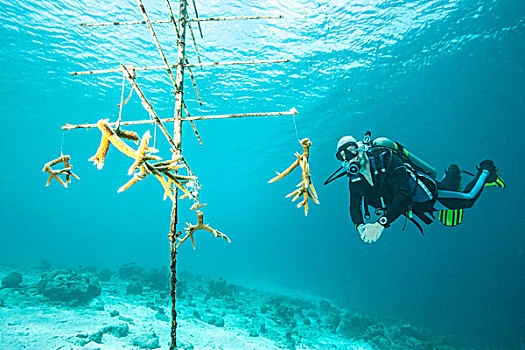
180 24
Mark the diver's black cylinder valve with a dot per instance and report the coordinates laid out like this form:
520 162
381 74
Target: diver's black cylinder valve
368 138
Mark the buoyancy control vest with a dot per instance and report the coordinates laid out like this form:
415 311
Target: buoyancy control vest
423 187
421 176
421 183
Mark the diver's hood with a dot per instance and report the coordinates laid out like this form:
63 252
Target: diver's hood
344 142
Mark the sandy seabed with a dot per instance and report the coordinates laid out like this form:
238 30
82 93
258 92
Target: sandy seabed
133 312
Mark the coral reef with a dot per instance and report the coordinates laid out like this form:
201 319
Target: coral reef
207 307
354 325
130 271
67 286
12 280
104 275
147 341
156 278
134 288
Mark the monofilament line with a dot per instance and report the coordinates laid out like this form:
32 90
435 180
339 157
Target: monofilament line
295 126
121 100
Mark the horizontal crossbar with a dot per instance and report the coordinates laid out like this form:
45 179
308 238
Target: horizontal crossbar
292 111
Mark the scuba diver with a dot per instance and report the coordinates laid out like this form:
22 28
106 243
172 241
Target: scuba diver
384 175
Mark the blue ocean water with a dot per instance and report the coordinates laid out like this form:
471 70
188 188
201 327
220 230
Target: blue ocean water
445 78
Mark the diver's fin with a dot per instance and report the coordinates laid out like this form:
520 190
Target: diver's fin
497 183
451 217
494 179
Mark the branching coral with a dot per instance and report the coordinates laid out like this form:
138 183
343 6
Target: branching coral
114 137
102 150
190 230
165 171
306 187
54 173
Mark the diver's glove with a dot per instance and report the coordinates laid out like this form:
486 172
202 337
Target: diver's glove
371 232
361 228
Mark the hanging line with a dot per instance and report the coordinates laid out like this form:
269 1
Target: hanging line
62 143
154 134
121 101
154 130
295 126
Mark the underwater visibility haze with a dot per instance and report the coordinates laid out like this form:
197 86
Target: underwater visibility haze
446 78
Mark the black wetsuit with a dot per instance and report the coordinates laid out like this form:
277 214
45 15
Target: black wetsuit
393 186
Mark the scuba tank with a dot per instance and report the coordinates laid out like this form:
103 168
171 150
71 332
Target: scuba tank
417 162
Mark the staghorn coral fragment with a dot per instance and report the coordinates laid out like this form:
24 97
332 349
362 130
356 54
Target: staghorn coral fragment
177 181
197 206
116 141
171 164
136 178
169 167
286 172
141 152
69 173
190 230
128 135
314 193
54 174
100 155
295 193
305 187
171 187
161 179
311 196
164 184
175 159
182 177
112 136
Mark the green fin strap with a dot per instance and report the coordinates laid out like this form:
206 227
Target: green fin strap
451 217
496 183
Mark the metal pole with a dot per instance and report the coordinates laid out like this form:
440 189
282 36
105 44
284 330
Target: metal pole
158 21
206 64
177 138
197 16
189 118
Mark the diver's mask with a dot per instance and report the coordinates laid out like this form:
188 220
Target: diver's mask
350 155
347 152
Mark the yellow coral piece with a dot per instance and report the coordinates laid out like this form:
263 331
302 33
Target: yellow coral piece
136 178
128 135
197 205
141 152
170 185
54 174
305 187
176 180
116 141
164 184
190 230
102 151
